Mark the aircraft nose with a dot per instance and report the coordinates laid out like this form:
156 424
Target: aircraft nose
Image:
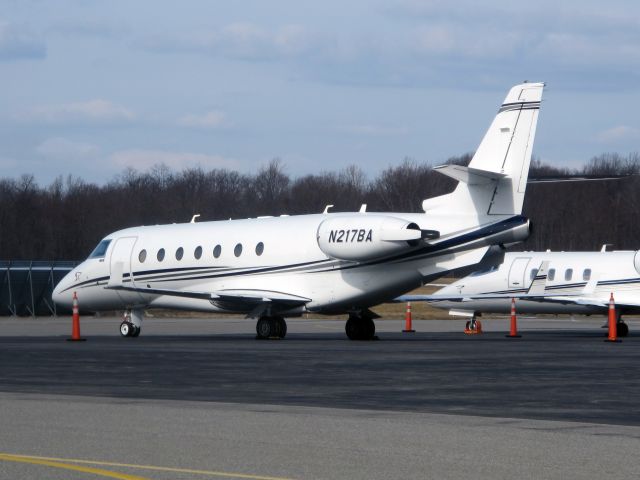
62 295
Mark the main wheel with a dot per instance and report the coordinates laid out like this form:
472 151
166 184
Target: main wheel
369 329
126 329
282 326
265 327
622 329
136 331
353 329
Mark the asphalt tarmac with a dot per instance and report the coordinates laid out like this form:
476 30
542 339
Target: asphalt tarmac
203 394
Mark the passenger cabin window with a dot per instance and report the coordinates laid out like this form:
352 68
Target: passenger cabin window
100 250
142 256
160 255
568 274
217 251
238 250
259 248
552 274
586 275
197 253
534 272
179 253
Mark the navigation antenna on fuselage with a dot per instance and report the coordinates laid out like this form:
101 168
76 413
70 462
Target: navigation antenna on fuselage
193 219
326 209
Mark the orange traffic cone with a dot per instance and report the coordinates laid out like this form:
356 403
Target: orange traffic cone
613 330
513 333
75 329
408 327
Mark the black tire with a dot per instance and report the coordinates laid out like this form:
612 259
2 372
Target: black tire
265 327
369 329
622 329
282 327
126 329
352 329
136 331
360 328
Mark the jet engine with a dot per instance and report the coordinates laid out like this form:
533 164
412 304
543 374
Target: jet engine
365 237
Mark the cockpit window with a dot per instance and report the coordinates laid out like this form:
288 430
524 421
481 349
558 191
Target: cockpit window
100 250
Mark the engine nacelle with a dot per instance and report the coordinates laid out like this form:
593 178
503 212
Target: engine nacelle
365 237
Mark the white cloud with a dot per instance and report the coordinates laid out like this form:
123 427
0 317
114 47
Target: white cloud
618 133
97 110
64 149
209 120
145 159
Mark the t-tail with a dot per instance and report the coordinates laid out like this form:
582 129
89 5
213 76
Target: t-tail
495 181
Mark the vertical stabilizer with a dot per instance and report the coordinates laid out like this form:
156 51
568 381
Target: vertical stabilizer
495 181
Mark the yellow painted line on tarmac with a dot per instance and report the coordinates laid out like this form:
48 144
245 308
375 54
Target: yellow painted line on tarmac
59 463
56 463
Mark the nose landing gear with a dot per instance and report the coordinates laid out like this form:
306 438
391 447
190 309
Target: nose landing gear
132 323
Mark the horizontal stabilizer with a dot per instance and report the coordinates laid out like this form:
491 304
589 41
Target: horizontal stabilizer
468 175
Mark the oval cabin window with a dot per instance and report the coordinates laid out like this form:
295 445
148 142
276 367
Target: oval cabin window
179 253
217 251
259 248
198 253
142 256
160 255
238 250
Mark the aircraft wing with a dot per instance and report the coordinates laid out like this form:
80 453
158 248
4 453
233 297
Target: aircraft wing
250 296
238 297
577 299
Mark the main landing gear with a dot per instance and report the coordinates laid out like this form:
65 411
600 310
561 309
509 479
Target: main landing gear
271 327
622 329
132 323
360 327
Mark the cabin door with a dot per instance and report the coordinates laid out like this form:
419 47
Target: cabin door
517 271
121 254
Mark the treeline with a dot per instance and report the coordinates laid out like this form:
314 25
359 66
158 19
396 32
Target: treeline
64 220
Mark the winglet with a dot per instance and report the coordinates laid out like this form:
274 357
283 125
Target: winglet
540 281
591 285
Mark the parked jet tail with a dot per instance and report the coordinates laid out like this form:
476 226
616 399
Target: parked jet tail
494 183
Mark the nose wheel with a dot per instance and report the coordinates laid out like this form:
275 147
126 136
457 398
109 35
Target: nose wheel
128 329
132 324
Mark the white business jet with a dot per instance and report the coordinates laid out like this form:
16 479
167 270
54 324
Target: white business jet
329 263
548 282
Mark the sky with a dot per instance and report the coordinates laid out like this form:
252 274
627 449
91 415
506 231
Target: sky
92 88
